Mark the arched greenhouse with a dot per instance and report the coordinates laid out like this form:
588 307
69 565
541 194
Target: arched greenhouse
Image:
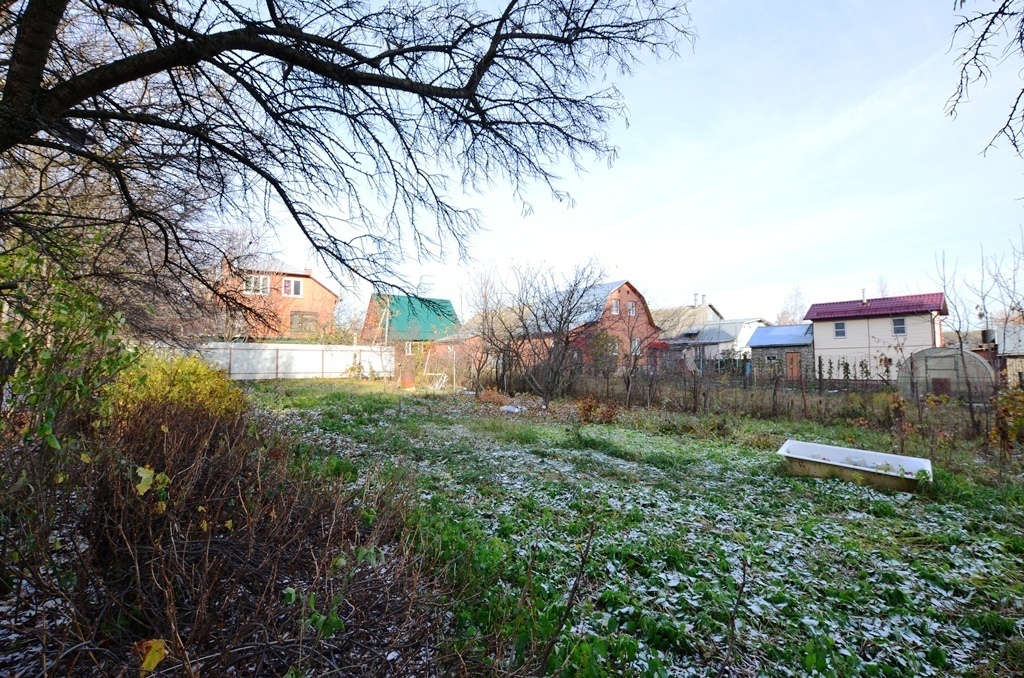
945 371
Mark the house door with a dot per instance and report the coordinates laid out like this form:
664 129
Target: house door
793 366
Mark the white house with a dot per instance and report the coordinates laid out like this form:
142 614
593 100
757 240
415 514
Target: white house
875 336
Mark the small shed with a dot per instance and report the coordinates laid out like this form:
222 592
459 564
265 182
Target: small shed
946 371
783 350
1011 353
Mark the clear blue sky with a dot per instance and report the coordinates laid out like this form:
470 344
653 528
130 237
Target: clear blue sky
799 143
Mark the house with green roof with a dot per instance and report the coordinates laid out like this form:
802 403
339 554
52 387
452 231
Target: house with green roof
410 324
392 318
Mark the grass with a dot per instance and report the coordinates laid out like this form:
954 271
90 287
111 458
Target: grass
836 578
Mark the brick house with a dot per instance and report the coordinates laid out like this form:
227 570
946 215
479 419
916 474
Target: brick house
296 304
619 310
874 336
783 350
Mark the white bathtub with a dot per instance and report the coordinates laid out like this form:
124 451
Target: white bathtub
894 471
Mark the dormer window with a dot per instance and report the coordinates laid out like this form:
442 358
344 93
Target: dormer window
291 287
615 306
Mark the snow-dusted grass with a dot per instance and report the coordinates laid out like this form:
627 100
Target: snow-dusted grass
837 579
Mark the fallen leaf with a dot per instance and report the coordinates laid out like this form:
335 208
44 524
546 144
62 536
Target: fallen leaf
150 653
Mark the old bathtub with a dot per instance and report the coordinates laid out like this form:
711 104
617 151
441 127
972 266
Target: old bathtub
892 471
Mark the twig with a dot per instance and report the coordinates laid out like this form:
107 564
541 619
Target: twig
543 664
727 662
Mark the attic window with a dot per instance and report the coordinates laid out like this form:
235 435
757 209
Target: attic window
615 306
291 287
899 327
257 284
631 308
840 330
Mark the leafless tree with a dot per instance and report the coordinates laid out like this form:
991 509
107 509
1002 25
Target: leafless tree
553 317
960 322
357 120
602 350
640 333
1007 275
793 308
490 333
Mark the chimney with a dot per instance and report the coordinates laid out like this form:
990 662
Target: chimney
863 295
694 298
309 271
703 299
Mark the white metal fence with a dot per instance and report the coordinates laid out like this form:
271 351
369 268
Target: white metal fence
299 361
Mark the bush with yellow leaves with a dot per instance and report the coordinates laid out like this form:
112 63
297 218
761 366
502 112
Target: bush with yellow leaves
179 380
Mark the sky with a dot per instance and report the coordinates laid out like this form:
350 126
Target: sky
794 144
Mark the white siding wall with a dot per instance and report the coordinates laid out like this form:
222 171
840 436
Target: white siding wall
871 339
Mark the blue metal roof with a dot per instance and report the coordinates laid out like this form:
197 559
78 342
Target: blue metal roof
782 335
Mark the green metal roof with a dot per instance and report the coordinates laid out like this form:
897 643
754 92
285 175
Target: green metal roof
413 319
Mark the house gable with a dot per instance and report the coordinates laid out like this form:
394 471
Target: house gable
402 318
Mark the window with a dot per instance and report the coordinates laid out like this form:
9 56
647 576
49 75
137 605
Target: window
840 330
615 306
631 308
899 327
634 344
615 347
771 358
291 287
408 348
304 322
257 284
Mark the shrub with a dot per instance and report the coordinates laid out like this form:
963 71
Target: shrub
587 408
178 380
493 397
591 411
184 536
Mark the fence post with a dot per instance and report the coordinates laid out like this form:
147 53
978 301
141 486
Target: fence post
230 354
277 362
323 350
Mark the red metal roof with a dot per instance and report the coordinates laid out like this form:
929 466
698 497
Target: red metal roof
884 306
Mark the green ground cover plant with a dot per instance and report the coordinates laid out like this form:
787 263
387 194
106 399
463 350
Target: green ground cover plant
668 544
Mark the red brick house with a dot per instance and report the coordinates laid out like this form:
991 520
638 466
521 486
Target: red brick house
295 304
622 312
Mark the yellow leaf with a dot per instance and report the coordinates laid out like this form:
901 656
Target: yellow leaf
161 507
201 509
203 525
160 481
151 653
230 524
86 458
163 427
145 474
